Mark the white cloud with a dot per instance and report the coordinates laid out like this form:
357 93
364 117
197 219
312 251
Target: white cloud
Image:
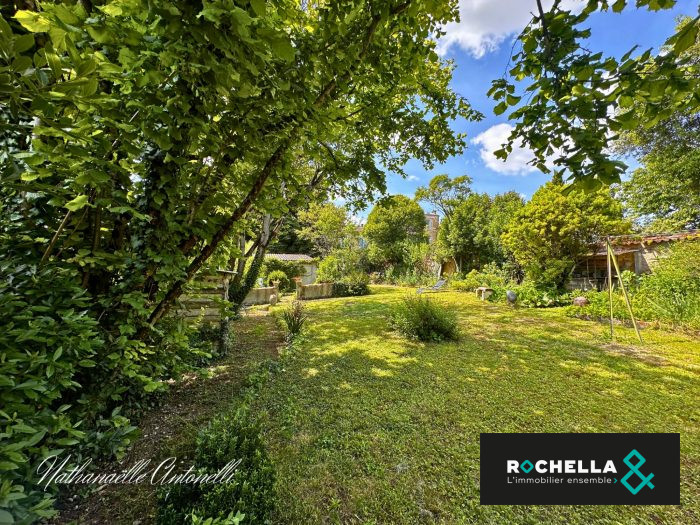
493 139
485 24
412 177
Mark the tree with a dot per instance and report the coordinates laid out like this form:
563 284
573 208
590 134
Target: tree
557 226
393 223
288 239
142 139
577 100
328 227
664 193
464 235
472 234
445 193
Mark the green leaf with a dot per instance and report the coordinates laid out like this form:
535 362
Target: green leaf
619 5
6 517
283 48
512 100
258 7
686 37
32 21
79 202
500 108
24 42
151 387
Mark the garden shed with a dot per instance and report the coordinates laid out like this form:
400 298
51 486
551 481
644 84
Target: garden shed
635 253
309 263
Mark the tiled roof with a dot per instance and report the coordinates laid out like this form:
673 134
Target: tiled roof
632 243
654 237
289 257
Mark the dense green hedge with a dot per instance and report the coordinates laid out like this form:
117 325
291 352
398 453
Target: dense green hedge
355 284
250 492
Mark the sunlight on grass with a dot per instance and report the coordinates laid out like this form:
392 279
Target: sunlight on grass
387 431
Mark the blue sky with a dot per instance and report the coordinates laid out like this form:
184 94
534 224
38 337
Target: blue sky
480 45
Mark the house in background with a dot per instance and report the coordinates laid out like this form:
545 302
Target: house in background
309 263
635 253
432 224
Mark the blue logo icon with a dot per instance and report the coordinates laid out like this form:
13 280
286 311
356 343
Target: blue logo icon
528 468
634 469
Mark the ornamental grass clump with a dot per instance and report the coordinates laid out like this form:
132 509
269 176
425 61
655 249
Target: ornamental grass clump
294 318
419 318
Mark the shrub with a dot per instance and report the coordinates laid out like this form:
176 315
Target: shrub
533 296
490 276
228 520
329 270
353 285
294 318
278 275
48 341
208 341
422 319
290 269
250 491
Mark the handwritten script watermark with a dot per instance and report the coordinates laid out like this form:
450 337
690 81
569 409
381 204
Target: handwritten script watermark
57 470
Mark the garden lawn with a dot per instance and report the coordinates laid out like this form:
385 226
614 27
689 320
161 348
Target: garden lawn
366 427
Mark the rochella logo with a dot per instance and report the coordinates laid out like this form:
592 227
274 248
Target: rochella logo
573 466
560 466
634 469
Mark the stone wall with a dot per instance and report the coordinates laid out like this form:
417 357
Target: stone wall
260 295
314 291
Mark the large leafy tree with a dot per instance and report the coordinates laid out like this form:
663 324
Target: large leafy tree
445 193
570 102
664 193
394 223
471 235
464 235
550 234
142 139
328 227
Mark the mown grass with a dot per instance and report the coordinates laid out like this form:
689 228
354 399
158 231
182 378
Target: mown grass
366 427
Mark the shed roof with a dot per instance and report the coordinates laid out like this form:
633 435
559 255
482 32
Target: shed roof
654 238
296 257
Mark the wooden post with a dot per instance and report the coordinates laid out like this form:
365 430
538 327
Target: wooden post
624 293
610 296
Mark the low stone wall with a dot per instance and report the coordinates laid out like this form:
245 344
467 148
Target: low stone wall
314 291
260 295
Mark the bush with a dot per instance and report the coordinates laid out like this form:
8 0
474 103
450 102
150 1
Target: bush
48 343
250 491
290 269
353 285
533 296
490 276
278 275
208 341
422 319
329 270
294 318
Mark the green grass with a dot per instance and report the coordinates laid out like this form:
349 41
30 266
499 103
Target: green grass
366 427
